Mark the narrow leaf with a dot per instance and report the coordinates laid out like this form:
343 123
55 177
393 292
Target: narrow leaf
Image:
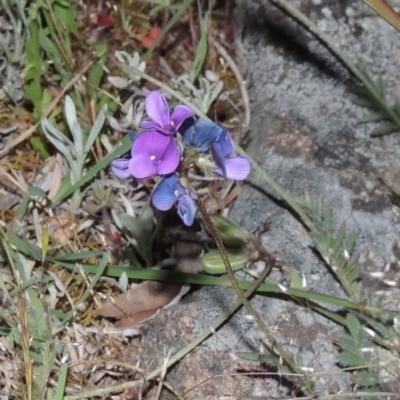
350 242
74 127
75 256
373 117
384 129
366 379
249 356
94 132
352 360
353 324
364 102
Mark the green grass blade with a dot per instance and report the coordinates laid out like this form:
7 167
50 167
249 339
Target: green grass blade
62 379
205 280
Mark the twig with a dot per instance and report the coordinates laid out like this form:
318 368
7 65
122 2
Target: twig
239 78
162 379
17 184
183 352
25 135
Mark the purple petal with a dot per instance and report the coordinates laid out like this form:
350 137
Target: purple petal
164 195
157 108
142 167
120 168
225 141
237 168
150 125
179 114
186 209
170 159
154 148
151 144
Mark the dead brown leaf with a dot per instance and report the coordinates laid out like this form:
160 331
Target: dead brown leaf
141 303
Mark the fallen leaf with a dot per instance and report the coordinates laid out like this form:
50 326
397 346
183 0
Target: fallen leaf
142 303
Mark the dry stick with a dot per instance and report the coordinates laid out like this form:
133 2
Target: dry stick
239 78
161 379
218 241
25 135
186 350
143 373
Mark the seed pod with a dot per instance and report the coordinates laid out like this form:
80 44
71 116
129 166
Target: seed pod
231 234
212 261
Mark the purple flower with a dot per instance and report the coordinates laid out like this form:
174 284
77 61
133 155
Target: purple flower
162 121
152 154
169 191
201 134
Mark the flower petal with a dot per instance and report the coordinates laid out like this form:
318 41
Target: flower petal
157 108
152 144
164 196
237 168
187 131
150 125
179 115
133 135
170 159
225 142
142 167
219 159
205 133
120 168
186 209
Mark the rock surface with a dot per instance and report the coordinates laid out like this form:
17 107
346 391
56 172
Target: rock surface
305 133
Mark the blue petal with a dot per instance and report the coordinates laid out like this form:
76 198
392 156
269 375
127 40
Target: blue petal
225 141
133 135
164 196
219 159
187 131
202 134
186 209
206 133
